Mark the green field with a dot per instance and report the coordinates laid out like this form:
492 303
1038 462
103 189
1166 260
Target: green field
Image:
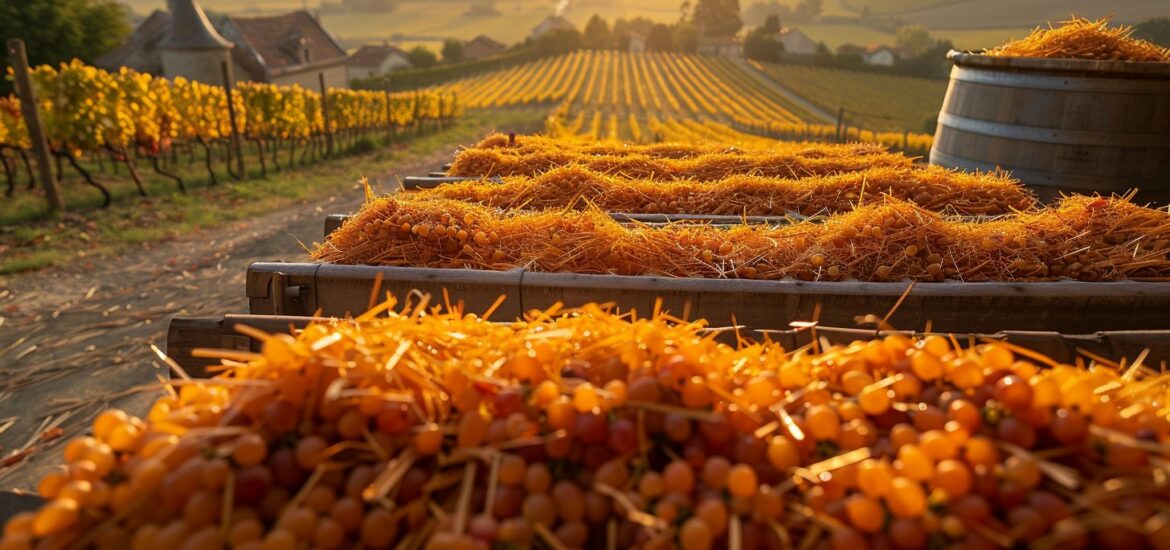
875 101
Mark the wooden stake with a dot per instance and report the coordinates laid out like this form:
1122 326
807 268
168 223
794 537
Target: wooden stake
236 147
325 114
18 58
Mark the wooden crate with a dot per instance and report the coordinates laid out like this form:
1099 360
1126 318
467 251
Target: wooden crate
1070 307
188 333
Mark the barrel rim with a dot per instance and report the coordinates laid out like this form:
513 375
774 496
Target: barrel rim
1082 67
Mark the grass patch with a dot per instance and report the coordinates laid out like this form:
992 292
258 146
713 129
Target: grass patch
84 233
28 262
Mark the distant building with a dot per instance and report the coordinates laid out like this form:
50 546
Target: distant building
723 46
372 60
796 43
637 42
551 23
284 49
881 56
482 46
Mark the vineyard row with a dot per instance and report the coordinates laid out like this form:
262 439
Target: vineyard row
86 110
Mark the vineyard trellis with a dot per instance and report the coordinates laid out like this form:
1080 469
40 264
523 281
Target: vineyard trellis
618 95
92 114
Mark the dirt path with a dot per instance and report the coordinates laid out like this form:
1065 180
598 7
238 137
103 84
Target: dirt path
78 339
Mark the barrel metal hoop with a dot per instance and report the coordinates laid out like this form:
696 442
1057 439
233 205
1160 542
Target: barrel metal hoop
1065 83
1042 178
1054 135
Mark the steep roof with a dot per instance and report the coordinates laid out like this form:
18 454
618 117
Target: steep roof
373 55
279 41
140 45
789 31
190 29
482 46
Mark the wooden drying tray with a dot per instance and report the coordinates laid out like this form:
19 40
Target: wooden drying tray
188 333
335 221
1069 307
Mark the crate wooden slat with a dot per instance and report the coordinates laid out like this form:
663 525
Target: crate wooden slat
187 333
430 182
1069 307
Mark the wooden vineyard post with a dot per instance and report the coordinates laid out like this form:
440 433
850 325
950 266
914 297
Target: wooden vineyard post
840 120
36 131
236 146
325 115
389 118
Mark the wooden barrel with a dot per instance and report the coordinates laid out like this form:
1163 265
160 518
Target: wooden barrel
1059 125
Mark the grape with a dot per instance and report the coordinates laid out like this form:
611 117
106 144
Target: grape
597 508
823 422
537 478
678 477
512 469
914 463
907 533
280 417
320 499
1018 433
613 473
206 538
695 534
300 521
741 481
202 508
569 500
106 422
250 449
782 454
875 400
1013 392
953 477
1022 471
926 366
516 531
1070 427
591 429
874 477
623 436
715 472
54 517
865 514
352 424
906 498
938 445
472 429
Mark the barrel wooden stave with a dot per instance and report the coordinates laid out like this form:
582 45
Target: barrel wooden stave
1059 129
